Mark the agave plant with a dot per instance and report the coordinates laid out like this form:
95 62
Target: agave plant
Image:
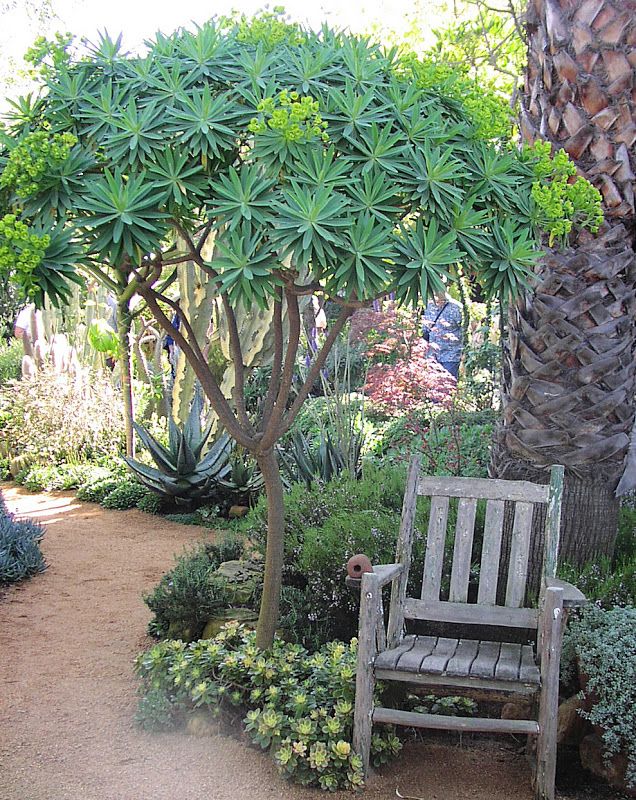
244 478
306 462
181 472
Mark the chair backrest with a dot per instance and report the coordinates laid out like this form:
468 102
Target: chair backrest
522 497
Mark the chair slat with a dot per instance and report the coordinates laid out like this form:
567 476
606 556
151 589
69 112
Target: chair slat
389 658
484 488
486 660
462 552
439 658
528 671
463 658
412 659
470 613
519 552
434 560
491 552
509 660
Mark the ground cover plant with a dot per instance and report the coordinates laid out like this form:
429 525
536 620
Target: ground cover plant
299 705
320 163
20 554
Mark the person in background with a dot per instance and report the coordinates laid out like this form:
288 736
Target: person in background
442 328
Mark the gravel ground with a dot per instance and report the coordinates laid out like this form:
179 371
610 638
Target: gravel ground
68 638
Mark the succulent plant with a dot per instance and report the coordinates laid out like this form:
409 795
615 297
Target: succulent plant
306 462
181 472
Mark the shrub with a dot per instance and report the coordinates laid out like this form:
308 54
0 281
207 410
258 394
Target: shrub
150 503
604 645
20 554
11 353
299 706
61 476
124 496
52 418
96 491
189 594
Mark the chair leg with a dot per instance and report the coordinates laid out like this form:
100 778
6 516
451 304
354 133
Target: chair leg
550 647
363 715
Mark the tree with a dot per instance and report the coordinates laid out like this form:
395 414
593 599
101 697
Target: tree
304 163
569 372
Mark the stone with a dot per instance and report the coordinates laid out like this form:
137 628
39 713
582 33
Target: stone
201 723
571 726
243 615
612 770
241 579
236 512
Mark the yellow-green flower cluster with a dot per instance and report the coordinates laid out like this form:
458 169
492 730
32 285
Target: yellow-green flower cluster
21 250
269 29
31 159
563 201
296 118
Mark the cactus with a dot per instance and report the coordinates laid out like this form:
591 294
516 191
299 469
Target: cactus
181 472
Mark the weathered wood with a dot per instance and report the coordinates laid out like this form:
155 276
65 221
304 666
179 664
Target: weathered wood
434 558
462 660
389 658
463 549
528 670
468 724
364 672
484 488
572 597
403 554
519 553
436 662
551 626
470 613
491 552
388 572
509 662
553 524
380 631
486 660
466 683
411 661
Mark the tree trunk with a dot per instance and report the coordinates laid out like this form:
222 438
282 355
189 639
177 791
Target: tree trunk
569 373
272 581
124 328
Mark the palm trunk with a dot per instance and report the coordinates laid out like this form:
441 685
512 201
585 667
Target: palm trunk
272 581
569 372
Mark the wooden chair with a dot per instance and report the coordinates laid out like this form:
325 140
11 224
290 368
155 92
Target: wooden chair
464 664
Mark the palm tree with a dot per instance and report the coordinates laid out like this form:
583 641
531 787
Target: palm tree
569 369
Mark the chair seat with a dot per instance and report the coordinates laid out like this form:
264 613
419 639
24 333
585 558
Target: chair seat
461 661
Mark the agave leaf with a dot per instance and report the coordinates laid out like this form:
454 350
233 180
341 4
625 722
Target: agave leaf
162 457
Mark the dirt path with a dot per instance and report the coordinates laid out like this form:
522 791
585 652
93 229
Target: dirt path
67 691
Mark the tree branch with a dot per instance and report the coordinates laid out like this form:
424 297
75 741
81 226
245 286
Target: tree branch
314 371
277 360
238 392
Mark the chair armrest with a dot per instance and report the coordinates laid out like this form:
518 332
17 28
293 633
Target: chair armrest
388 572
572 597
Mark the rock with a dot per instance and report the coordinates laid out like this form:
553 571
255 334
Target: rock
571 726
612 770
518 710
243 615
237 511
180 629
201 723
241 579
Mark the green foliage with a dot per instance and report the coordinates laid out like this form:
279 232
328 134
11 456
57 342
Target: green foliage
562 204
103 338
182 473
55 477
248 152
21 252
604 644
20 554
124 496
299 706
453 443
11 353
54 418
189 594
95 491
450 706
150 503
306 462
